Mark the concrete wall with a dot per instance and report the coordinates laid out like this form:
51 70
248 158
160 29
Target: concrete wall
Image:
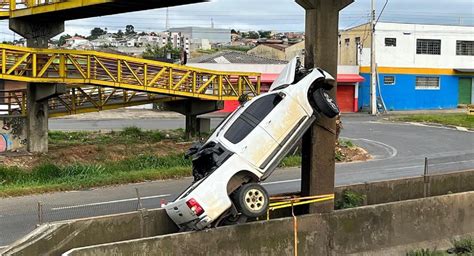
57 238
267 52
366 230
412 188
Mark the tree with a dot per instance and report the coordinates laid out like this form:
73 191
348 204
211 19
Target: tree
156 52
95 33
129 30
253 35
143 33
265 34
232 31
62 39
119 33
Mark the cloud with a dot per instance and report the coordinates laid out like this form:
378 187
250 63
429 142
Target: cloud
276 15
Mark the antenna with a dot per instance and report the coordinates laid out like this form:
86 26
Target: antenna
373 68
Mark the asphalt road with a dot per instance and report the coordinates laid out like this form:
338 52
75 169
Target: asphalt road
398 150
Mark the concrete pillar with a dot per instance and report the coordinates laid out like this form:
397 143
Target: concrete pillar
191 108
318 155
192 128
37 34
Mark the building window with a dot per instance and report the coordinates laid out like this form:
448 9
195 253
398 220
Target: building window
390 41
465 48
428 46
347 41
427 83
389 80
357 40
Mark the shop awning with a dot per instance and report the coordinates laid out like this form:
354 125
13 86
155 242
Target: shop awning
268 78
349 78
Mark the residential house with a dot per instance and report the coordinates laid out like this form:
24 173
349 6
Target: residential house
420 66
77 42
348 77
280 51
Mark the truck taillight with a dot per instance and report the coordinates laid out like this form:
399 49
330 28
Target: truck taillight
195 206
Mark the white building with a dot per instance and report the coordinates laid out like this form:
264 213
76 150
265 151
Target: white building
77 42
420 66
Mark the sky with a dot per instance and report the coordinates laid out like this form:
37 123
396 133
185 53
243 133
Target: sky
275 15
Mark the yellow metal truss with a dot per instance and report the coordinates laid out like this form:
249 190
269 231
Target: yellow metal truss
75 9
123 72
80 99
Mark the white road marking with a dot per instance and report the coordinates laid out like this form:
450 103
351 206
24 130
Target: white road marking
384 168
390 149
462 129
279 182
107 202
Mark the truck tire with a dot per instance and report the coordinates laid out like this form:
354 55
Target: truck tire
251 200
325 103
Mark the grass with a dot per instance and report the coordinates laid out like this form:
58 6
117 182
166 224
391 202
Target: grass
350 199
129 135
49 177
463 120
461 247
137 161
425 252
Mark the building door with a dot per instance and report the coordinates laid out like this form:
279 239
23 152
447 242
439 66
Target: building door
465 90
345 97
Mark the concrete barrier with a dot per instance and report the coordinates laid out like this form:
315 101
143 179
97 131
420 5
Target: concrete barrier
412 188
368 230
56 238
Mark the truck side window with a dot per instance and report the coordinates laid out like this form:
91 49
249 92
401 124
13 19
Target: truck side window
251 117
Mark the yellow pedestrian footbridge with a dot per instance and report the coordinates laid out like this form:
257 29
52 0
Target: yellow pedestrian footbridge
104 80
78 9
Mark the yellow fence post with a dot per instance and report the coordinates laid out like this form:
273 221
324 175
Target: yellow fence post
220 87
145 75
12 5
4 61
259 79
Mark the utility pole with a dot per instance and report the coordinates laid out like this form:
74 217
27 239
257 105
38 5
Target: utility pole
373 65
167 25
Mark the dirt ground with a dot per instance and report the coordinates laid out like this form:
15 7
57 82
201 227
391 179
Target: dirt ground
95 154
91 154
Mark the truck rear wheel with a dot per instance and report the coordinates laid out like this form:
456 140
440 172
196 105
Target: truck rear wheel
252 200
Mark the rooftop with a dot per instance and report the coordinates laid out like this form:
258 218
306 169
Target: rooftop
228 57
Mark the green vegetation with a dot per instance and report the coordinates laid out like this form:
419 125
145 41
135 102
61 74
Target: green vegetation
52 177
157 53
291 161
463 120
129 135
89 159
346 143
425 252
461 247
349 199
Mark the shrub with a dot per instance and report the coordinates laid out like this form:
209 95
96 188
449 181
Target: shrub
350 199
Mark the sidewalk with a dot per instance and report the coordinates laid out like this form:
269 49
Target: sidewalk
129 114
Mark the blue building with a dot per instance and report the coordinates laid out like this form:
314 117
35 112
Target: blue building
419 66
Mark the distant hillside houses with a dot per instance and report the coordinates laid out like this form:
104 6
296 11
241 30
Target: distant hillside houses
187 38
